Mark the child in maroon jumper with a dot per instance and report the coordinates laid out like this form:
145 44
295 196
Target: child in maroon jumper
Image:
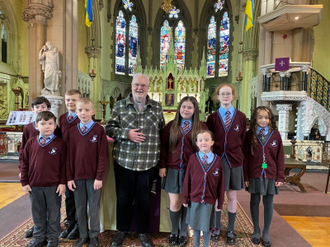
43 178
39 104
263 168
203 186
229 127
66 121
88 157
178 144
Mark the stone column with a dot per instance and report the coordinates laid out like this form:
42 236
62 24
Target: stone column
282 75
288 81
36 14
264 81
304 70
269 76
283 119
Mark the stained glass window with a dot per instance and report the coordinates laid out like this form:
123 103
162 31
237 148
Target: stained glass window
180 45
224 45
174 13
211 47
219 5
133 44
120 43
165 37
128 5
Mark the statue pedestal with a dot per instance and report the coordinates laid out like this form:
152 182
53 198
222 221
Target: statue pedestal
56 102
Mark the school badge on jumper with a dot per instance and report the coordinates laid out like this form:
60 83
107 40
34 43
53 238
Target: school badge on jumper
274 144
53 152
216 172
94 139
237 128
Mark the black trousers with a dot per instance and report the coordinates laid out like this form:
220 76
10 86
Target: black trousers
70 207
133 187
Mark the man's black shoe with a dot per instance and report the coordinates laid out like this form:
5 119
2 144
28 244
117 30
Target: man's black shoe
94 242
80 242
145 240
118 239
35 243
29 233
74 234
66 232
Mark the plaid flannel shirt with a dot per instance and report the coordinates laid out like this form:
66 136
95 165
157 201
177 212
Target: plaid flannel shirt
124 117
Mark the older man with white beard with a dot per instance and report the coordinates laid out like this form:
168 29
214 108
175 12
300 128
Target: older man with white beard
135 124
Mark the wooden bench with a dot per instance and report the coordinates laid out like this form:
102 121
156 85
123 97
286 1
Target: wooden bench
289 164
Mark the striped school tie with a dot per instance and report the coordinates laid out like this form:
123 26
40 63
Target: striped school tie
204 159
228 120
261 132
83 129
186 126
42 141
70 118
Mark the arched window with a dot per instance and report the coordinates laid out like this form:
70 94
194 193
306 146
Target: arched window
172 23
127 37
218 40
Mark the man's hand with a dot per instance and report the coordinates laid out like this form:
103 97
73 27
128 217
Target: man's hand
71 185
247 184
97 184
27 189
136 136
185 205
60 189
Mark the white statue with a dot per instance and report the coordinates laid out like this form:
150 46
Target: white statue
49 59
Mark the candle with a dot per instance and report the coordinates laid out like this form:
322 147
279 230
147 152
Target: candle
92 71
239 74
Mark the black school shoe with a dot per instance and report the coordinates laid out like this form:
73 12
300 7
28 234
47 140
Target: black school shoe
231 238
29 233
118 239
173 239
80 242
74 234
94 242
35 243
266 243
183 240
255 240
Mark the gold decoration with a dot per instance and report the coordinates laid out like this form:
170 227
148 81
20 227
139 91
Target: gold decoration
167 6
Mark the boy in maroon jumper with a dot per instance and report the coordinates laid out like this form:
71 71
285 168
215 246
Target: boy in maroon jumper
43 178
66 121
39 104
87 159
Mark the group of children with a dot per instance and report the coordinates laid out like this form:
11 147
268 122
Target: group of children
76 155
200 162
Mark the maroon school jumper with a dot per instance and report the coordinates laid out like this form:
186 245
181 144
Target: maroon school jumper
228 144
28 132
88 153
65 124
204 185
183 149
43 165
274 158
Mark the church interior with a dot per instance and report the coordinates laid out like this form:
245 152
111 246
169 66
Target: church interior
186 48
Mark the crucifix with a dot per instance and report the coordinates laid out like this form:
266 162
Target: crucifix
104 104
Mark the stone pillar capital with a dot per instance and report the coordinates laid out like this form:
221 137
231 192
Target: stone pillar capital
38 13
264 71
287 74
269 74
305 68
250 54
282 73
284 107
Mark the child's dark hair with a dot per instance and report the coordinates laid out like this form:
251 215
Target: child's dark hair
39 100
253 124
45 115
175 128
206 131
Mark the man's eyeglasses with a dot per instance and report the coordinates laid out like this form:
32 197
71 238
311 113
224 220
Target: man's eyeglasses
140 85
225 94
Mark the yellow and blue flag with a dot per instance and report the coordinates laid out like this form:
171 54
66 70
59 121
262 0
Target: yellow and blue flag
89 12
249 21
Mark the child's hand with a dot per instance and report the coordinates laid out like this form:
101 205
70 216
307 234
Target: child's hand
185 205
277 184
71 185
247 184
19 175
97 184
60 189
27 189
162 172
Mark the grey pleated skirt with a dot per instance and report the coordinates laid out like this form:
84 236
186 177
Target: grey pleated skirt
173 182
262 186
234 177
201 216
